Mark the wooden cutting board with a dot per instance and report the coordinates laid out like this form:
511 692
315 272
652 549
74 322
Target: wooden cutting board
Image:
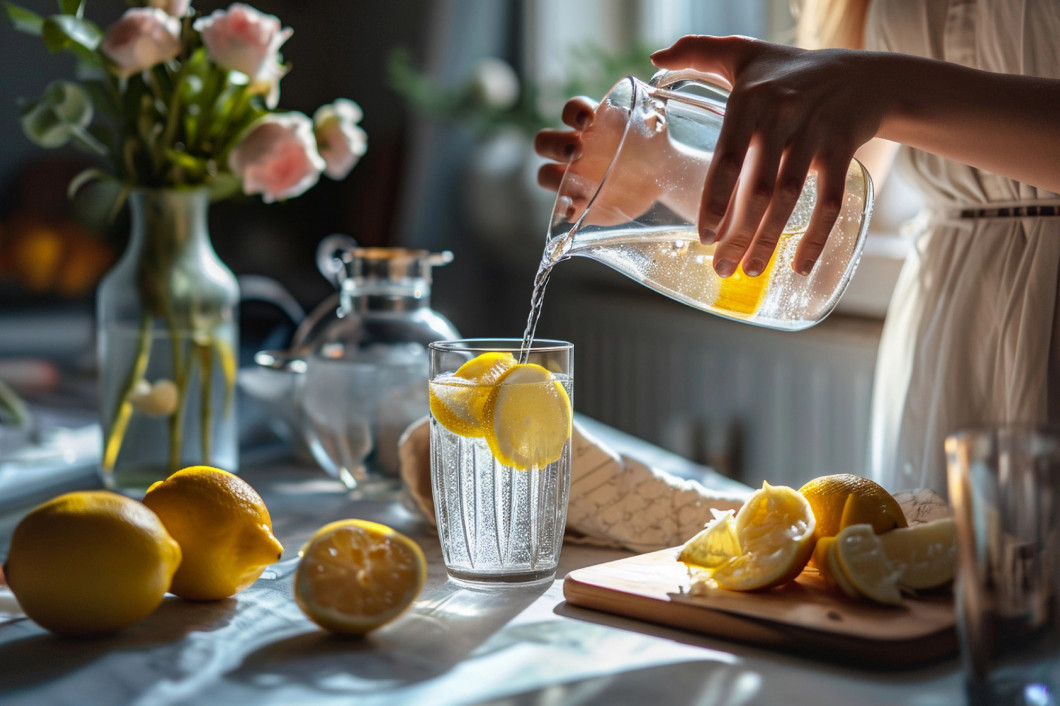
804 616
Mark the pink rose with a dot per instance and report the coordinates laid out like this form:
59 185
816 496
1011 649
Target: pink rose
176 8
340 140
277 157
140 39
245 40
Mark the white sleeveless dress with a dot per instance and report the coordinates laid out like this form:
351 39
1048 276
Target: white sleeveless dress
971 333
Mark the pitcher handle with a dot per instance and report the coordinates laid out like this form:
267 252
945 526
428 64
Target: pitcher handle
329 256
706 90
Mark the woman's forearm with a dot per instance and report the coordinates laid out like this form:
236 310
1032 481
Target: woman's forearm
1002 123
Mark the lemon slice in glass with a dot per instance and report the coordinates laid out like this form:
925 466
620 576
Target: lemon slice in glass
356 575
528 417
458 401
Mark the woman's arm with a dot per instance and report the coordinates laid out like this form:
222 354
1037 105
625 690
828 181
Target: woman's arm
792 110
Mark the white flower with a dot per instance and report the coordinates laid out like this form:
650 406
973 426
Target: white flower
143 37
277 157
340 140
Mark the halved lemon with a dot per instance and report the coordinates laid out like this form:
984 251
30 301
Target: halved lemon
458 401
924 554
775 530
356 575
528 417
861 558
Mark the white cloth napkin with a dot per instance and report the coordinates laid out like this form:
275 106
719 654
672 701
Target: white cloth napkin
615 500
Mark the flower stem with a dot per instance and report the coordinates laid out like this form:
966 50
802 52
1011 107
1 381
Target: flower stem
120 422
205 355
181 375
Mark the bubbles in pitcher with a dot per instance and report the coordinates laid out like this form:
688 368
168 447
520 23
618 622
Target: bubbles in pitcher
800 217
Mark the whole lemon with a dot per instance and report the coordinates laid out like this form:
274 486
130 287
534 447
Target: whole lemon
222 526
844 499
90 563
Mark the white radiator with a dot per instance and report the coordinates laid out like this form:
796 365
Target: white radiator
753 403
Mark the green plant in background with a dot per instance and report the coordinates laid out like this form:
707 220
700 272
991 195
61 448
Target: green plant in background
493 95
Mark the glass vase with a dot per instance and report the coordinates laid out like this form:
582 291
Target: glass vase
167 337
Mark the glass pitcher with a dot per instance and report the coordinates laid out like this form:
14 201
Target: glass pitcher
631 202
366 362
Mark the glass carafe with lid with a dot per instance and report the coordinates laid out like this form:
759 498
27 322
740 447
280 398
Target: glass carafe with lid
631 201
366 360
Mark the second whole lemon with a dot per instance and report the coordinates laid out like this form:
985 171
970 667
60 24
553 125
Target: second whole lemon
90 563
223 527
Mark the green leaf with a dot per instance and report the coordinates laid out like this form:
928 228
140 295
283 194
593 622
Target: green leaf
63 110
61 32
23 20
195 166
72 7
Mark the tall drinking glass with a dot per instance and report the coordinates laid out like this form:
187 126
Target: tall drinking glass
1004 485
500 457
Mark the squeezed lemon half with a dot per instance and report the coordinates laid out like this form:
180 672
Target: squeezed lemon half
772 536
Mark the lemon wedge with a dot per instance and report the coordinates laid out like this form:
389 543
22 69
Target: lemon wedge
528 415
824 557
861 558
714 545
925 554
458 401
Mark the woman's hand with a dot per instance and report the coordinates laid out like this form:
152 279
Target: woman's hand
586 154
790 111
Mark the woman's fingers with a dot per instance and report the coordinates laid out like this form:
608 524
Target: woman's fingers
831 183
720 57
789 184
550 175
578 112
754 194
558 145
723 173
